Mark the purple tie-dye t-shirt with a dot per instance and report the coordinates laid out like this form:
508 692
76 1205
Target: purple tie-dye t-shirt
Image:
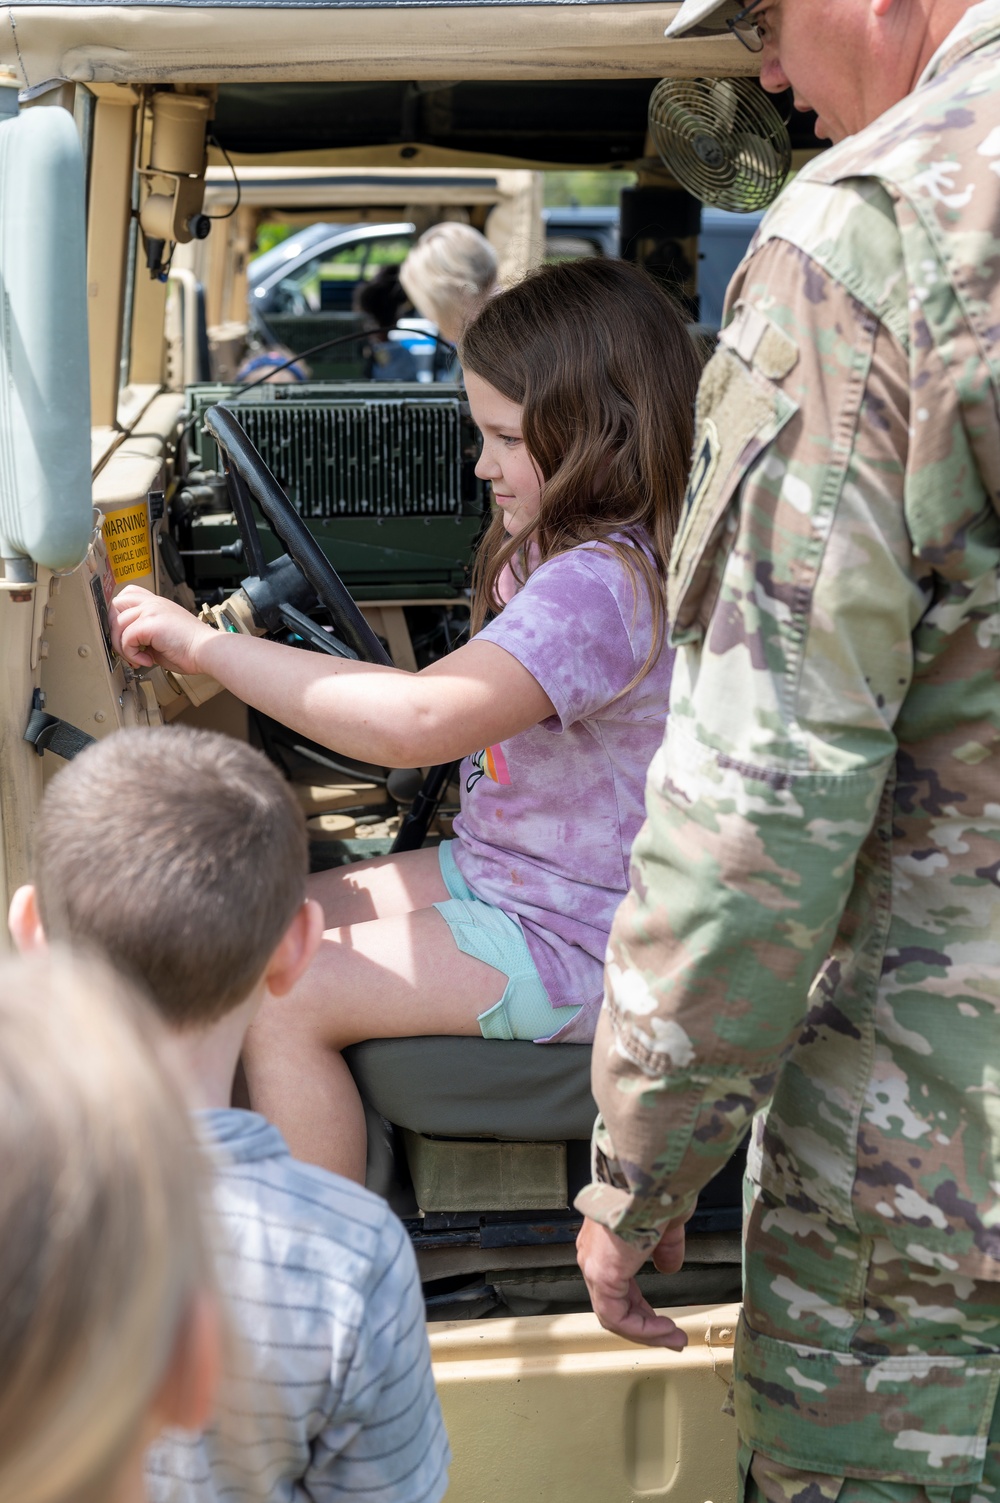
548 818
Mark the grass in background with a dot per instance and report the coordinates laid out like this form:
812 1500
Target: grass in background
565 189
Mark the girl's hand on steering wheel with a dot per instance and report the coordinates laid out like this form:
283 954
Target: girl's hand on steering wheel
148 631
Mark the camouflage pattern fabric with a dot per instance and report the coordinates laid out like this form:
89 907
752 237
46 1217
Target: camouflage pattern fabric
766 1481
854 1359
814 919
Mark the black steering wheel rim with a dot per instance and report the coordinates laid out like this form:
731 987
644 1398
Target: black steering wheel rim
252 479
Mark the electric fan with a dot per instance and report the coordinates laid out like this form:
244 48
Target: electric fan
723 140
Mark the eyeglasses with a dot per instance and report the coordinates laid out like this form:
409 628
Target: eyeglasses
745 29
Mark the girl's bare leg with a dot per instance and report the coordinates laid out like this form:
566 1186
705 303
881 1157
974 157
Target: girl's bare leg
382 888
394 976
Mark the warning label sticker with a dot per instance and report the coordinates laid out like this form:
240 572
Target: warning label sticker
126 537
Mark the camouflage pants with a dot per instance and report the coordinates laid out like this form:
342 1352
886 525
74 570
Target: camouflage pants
767 1481
860 1373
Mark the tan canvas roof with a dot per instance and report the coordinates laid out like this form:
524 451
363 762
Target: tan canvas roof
174 41
359 187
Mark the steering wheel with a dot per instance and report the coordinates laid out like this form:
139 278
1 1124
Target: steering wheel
269 586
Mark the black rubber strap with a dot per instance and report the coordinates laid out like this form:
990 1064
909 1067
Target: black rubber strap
49 733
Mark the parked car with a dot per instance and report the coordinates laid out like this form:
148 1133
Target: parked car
594 231
581 231
346 225
721 247
303 291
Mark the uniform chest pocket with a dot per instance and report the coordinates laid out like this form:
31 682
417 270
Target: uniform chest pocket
740 412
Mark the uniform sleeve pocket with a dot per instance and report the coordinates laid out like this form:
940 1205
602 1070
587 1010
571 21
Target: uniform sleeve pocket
740 411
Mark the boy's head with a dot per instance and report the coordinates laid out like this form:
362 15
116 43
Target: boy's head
179 854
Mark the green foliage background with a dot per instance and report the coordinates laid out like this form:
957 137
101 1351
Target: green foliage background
585 188
561 190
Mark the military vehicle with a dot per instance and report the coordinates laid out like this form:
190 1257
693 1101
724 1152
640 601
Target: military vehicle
289 508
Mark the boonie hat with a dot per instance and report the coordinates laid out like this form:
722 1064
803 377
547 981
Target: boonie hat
697 13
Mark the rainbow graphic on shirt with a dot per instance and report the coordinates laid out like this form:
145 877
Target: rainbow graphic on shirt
488 763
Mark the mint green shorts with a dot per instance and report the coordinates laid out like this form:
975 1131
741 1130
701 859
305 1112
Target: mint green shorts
488 934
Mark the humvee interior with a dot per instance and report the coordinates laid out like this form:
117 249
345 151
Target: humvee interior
341 516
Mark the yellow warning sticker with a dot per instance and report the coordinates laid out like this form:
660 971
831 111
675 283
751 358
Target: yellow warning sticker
126 537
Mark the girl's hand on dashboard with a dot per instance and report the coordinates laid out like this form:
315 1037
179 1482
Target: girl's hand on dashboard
148 631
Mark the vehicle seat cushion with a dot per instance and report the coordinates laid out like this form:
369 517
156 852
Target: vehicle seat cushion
478 1088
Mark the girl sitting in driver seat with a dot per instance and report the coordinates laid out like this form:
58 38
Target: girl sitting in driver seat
581 380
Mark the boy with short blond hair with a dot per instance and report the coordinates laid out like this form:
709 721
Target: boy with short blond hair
183 856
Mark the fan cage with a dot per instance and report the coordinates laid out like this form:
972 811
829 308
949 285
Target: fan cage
722 139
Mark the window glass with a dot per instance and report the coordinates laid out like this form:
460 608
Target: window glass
392 251
329 279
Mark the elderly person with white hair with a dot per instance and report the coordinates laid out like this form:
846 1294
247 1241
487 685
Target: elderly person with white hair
449 274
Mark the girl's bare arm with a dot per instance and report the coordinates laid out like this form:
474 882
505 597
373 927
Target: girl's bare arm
474 697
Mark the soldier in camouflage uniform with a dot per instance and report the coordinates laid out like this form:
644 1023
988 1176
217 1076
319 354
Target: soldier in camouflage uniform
814 922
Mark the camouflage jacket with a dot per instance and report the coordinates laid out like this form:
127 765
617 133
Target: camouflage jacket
814 920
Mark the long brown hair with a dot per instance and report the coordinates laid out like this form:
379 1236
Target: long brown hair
600 361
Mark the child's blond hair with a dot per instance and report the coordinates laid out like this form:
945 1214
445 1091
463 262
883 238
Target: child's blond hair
101 1246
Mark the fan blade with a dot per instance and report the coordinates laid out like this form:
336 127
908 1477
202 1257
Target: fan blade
755 154
724 104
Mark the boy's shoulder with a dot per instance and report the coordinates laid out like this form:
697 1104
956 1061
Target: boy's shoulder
289 1215
329 1363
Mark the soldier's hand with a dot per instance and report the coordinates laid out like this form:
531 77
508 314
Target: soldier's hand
668 1254
609 1266
148 630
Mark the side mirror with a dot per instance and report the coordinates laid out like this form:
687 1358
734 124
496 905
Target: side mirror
45 481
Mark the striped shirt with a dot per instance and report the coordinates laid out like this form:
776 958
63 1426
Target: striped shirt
328 1390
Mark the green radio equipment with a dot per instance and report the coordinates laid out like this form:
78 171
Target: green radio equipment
383 477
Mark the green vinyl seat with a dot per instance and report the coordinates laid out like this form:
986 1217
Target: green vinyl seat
478 1088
